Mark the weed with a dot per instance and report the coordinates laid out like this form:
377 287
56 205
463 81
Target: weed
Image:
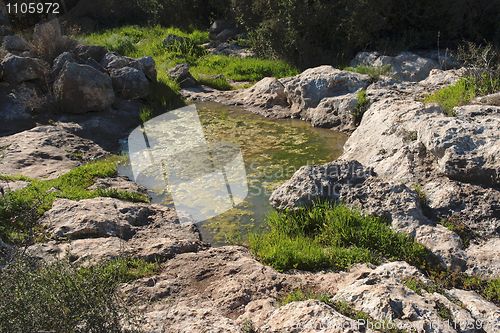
326 237
443 311
59 297
459 93
362 105
375 72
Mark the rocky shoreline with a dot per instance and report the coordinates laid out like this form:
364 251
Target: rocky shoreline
405 161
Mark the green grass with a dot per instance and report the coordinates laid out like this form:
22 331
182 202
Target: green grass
61 298
136 41
361 107
327 236
459 93
333 237
20 209
375 72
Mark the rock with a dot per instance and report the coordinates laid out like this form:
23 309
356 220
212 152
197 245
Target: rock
268 95
130 83
406 66
492 99
118 183
309 316
218 26
148 66
225 35
60 61
213 292
16 44
20 69
465 148
17 106
384 297
113 60
181 75
334 112
93 52
230 49
487 315
81 89
103 228
307 89
484 259
45 152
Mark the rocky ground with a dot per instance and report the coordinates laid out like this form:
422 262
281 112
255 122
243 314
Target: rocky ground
400 143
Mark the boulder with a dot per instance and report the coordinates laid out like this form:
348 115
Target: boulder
130 83
60 61
383 295
89 231
266 94
218 26
406 66
112 61
45 152
93 52
307 89
82 88
16 44
181 75
17 107
483 259
492 99
20 69
334 112
226 35
148 66
310 316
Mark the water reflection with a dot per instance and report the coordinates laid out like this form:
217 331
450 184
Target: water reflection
171 152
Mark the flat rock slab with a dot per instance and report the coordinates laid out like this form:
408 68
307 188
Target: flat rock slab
45 152
93 230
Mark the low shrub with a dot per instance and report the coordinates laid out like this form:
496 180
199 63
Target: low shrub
459 93
375 72
62 298
362 105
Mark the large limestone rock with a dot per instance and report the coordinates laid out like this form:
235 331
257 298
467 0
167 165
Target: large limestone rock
310 316
17 107
113 61
406 66
307 89
130 83
45 152
206 290
81 89
334 112
20 69
16 44
484 259
182 76
383 295
92 230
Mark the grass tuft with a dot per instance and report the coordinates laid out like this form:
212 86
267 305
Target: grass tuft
375 72
457 94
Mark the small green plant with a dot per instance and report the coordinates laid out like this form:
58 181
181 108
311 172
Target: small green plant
218 82
145 114
419 286
62 298
443 311
299 295
362 105
327 236
459 93
375 72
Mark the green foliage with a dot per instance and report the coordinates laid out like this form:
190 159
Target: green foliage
19 210
375 72
326 236
145 114
61 298
459 93
212 70
419 286
362 105
443 311
298 295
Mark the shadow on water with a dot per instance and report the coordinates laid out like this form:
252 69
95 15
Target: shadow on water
271 151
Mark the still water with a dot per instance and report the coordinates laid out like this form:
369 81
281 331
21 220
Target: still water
267 152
